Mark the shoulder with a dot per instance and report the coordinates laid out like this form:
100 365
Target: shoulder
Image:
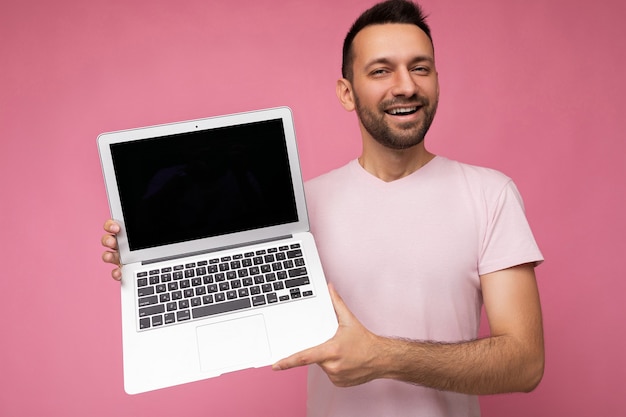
471 173
333 179
484 186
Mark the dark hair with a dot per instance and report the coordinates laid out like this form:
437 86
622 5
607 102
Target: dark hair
390 11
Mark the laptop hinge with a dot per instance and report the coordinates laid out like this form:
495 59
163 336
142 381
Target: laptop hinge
219 249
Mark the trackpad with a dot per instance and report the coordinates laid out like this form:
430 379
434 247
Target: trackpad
233 344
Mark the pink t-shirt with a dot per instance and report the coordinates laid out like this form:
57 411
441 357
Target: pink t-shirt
406 257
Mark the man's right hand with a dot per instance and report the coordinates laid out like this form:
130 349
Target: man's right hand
109 241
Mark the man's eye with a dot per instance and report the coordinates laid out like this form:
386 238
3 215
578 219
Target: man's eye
378 72
421 70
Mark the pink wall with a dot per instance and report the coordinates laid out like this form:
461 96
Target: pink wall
535 89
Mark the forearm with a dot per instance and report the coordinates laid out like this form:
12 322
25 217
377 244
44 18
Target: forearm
484 366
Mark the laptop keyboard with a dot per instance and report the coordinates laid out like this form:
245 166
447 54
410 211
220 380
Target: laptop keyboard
220 285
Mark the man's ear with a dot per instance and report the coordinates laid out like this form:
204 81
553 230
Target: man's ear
345 94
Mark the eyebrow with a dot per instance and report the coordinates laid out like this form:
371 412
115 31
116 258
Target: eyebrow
387 61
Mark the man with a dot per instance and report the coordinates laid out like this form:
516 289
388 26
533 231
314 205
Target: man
415 243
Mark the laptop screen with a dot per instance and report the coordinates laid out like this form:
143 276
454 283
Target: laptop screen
204 183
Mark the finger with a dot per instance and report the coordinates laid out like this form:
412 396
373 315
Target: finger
109 241
111 258
302 358
111 226
117 274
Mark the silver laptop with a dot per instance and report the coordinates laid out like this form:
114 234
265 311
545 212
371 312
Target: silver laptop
220 271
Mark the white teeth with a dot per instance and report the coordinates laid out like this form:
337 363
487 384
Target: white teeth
403 110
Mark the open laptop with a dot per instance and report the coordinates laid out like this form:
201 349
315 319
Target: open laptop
220 271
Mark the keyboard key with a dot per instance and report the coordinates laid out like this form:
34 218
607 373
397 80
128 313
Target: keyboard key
149 311
296 282
148 301
295 293
183 315
145 291
296 272
294 254
212 309
258 300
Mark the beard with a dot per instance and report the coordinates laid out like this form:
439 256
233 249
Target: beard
406 135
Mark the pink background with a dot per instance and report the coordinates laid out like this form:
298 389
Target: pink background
535 89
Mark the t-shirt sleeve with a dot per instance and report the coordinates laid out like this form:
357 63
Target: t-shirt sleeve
508 240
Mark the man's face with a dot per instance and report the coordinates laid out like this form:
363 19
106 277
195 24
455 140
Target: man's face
395 87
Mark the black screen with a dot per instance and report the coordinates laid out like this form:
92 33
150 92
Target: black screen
202 184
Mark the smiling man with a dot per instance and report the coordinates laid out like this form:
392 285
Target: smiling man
415 244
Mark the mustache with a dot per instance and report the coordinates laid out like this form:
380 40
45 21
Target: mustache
413 101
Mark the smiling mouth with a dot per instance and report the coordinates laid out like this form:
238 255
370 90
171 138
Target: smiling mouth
403 111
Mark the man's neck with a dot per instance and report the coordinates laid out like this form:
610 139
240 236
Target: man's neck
393 164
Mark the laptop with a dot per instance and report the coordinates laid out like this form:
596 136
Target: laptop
220 272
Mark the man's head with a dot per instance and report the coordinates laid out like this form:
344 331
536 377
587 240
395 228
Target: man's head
390 76
390 11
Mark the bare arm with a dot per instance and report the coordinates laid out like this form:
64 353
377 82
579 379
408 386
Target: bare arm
511 359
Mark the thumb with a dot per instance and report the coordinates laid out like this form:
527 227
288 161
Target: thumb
344 315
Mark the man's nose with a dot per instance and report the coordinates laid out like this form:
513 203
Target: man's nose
404 84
